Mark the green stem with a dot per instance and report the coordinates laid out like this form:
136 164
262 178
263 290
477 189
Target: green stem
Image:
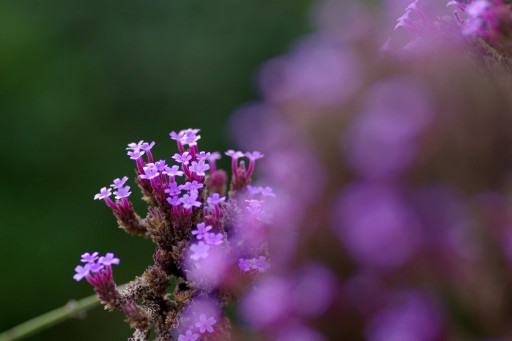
50 318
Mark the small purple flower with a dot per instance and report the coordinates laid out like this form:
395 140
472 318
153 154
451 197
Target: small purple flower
203 156
215 199
190 200
253 156
109 259
267 192
173 171
201 231
235 155
190 137
174 200
244 265
205 324
213 238
182 158
104 193
199 167
118 183
122 192
188 336
135 146
161 165
214 156
193 186
95 267
173 190
199 250
147 146
81 272
135 155
89 258
176 136
150 172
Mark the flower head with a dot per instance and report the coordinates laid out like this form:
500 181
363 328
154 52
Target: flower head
104 193
122 192
190 200
213 238
119 182
182 158
89 258
215 199
199 167
199 250
234 154
108 259
150 172
201 230
205 324
81 272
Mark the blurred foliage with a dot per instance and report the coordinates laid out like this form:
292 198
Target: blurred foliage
79 80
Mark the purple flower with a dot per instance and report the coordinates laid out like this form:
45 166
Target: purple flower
176 136
89 258
253 156
199 250
150 172
174 200
213 238
267 192
189 200
104 193
173 171
182 158
122 192
190 137
199 167
235 155
205 324
201 230
161 165
147 146
135 146
173 190
203 156
193 186
215 199
108 259
135 155
244 265
188 336
119 182
214 156
81 272
95 267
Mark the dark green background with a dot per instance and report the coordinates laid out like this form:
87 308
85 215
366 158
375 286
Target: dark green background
79 80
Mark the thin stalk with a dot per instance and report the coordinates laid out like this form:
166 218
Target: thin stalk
51 318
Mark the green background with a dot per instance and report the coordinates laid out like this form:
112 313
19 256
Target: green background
78 81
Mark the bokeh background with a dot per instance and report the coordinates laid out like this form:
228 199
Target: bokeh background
78 81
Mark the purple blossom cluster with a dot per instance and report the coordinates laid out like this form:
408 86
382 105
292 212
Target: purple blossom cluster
199 226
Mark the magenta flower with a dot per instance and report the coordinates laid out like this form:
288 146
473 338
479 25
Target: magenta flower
182 158
203 156
199 167
108 259
135 155
122 192
173 171
89 258
253 156
199 250
193 186
135 146
214 238
119 182
190 137
161 165
173 190
201 231
150 172
103 194
81 272
188 336
174 200
95 267
215 199
147 146
190 200
205 324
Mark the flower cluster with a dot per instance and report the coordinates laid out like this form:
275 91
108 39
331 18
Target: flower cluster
199 225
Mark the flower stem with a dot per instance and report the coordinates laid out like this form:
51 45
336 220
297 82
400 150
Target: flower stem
51 318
